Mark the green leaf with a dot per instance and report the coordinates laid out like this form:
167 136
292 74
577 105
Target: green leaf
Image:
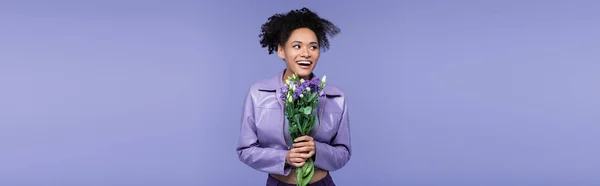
305 173
299 177
312 97
292 129
312 122
288 111
296 118
311 166
307 128
307 110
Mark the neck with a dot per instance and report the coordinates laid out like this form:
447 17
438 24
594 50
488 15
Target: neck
289 73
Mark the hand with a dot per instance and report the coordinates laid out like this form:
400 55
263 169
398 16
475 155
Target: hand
295 157
305 144
304 148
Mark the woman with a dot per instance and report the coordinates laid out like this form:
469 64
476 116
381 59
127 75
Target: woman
264 143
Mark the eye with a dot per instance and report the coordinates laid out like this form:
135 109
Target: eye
296 46
314 47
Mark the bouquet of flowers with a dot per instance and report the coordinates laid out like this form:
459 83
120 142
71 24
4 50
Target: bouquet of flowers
301 99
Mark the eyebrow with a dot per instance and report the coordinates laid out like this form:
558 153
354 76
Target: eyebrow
301 42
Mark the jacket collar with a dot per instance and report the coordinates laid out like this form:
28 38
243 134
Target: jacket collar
275 83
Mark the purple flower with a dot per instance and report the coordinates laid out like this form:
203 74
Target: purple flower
314 84
284 91
283 97
299 90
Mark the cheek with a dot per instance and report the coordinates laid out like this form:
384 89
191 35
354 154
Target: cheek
289 62
290 55
316 52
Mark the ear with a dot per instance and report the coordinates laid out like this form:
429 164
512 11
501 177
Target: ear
280 51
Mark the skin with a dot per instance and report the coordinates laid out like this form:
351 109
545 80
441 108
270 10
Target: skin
302 45
304 148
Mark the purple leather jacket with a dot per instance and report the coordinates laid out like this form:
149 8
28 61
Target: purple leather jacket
264 139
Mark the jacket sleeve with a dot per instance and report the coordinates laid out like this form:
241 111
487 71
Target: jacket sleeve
335 155
249 151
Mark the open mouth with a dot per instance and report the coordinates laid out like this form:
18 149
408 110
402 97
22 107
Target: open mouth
304 63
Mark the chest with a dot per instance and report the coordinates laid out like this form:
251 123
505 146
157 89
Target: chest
273 128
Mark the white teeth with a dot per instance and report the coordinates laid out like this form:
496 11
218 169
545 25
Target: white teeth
304 62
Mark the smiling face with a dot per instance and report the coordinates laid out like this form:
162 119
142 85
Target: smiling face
300 52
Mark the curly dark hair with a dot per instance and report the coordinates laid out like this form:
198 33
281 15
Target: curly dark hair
278 28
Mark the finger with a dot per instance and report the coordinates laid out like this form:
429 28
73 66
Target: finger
302 144
296 150
294 155
297 160
298 155
303 138
311 153
304 150
298 164
308 155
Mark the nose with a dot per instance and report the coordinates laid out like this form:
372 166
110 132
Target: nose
305 53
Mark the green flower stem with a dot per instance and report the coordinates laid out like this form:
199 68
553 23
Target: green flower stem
299 112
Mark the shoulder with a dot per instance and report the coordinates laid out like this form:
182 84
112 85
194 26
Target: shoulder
262 93
269 85
336 99
334 91
261 85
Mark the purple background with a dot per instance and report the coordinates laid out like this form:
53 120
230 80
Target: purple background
125 93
